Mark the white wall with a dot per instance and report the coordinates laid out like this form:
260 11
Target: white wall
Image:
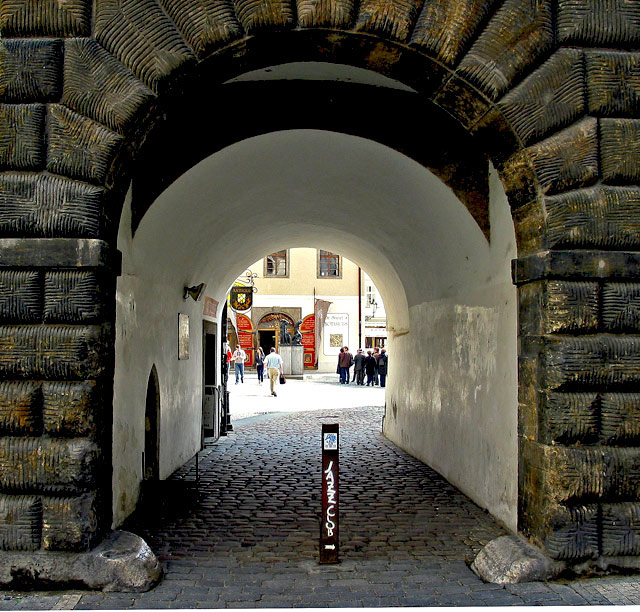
447 293
149 298
456 405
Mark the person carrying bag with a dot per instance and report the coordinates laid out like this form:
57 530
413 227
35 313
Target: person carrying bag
273 363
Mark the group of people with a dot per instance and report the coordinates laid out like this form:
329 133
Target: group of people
373 364
272 363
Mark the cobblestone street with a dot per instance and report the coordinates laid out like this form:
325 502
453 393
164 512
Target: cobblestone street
248 538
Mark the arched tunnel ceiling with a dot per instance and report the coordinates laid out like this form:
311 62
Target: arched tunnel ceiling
320 189
358 102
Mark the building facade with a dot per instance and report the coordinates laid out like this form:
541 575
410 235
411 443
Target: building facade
292 285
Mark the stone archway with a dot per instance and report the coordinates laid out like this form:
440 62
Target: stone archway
548 90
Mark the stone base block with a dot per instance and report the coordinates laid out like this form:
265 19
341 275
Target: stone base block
510 559
121 562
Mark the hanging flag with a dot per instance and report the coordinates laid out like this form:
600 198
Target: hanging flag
321 308
240 298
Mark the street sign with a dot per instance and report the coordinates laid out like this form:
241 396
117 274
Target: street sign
329 536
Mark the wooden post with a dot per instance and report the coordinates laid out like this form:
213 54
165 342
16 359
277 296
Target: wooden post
329 532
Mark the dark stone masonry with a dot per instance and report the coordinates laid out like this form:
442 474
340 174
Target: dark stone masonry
549 90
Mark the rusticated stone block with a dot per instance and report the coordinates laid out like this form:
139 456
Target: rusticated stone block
572 474
45 465
461 101
255 15
53 352
613 80
20 296
445 29
600 361
557 474
600 217
98 86
73 296
620 529
45 18
596 23
71 409
623 473
79 147
33 205
555 307
620 419
567 160
621 307
70 523
20 522
326 13
551 98
392 20
573 533
569 418
516 37
142 37
30 70
20 408
529 221
21 136
620 150
528 398
206 26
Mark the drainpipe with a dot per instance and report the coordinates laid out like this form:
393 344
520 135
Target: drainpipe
359 307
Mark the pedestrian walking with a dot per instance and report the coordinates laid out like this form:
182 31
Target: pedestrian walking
358 367
273 363
260 364
370 368
345 362
238 358
383 362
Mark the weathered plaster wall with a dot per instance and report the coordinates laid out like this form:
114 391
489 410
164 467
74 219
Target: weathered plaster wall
148 300
455 407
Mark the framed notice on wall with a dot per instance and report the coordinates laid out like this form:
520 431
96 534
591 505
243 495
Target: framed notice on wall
336 333
183 336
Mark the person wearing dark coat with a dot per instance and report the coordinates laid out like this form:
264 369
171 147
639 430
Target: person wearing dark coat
370 368
345 361
358 367
376 355
383 361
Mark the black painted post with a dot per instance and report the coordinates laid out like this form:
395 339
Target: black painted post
329 535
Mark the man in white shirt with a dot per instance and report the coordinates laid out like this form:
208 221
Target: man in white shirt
238 358
273 363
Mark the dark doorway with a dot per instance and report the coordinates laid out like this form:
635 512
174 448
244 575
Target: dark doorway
211 401
267 339
151 457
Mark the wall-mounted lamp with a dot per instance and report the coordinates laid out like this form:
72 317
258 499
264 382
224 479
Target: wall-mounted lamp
195 292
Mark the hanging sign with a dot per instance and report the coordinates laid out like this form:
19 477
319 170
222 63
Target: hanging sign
245 337
240 298
329 537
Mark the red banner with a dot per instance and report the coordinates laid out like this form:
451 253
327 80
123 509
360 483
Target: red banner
308 328
245 337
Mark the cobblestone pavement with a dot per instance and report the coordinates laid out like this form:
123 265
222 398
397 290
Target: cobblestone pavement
248 537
